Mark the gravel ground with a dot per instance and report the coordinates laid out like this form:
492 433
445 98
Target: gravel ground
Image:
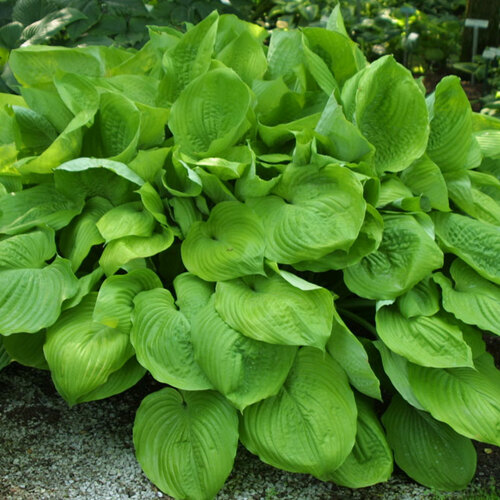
51 452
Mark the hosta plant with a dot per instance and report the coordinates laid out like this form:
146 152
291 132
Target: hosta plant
300 245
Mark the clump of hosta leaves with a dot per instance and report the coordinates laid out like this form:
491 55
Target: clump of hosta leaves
301 246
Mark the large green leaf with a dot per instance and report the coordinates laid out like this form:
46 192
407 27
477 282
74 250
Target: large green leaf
37 64
424 178
475 242
475 193
421 300
344 347
472 299
467 399
120 380
190 57
81 353
396 368
370 461
186 441
78 93
425 340
228 245
242 369
28 250
123 250
161 336
336 50
218 104
115 300
82 234
368 240
392 115
245 55
129 219
115 133
310 425
39 205
274 311
90 177
428 451
341 138
451 125
31 298
312 212
192 293
406 255
27 349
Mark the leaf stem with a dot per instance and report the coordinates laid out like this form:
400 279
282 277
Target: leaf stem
354 317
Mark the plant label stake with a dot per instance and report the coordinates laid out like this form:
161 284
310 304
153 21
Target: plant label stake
476 25
408 11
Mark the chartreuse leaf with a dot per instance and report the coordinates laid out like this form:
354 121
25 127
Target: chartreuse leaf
186 441
344 347
425 340
218 104
192 293
90 177
476 199
228 245
245 55
284 54
65 147
475 242
78 93
310 425
31 295
29 250
406 255
27 349
339 136
190 57
472 299
242 369
274 311
115 133
123 250
115 300
82 234
467 399
391 113
120 380
128 219
451 125
424 178
81 353
421 300
368 240
39 205
429 451
153 203
312 212
37 64
396 368
370 461
161 336
335 49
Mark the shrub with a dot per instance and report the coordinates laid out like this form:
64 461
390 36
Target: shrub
292 240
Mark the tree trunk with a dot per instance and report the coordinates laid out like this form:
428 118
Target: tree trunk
490 37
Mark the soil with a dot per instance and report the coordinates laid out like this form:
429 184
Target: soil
51 452
474 91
